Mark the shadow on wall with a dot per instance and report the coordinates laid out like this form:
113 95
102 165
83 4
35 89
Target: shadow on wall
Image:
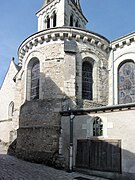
40 124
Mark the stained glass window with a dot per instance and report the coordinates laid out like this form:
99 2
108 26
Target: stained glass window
35 74
87 80
126 82
97 127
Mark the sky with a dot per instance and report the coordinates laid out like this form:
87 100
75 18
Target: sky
110 18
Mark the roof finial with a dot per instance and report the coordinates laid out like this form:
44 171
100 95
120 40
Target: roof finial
12 59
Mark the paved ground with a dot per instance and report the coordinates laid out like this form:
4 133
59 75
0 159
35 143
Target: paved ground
12 168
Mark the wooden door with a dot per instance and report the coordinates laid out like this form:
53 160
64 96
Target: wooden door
99 155
82 159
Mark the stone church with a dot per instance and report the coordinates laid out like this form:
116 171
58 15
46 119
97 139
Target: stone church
70 100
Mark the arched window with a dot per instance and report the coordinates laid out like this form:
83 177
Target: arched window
10 110
126 82
97 127
77 24
48 22
35 73
71 20
33 77
54 19
87 80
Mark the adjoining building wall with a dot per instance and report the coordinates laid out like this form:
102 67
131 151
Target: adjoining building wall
123 49
7 101
7 91
117 125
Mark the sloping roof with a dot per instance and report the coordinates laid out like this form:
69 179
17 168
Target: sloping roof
9 68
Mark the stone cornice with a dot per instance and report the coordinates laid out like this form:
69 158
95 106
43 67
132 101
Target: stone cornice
62 33
123 41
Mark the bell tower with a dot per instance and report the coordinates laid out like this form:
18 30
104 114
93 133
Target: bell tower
58 13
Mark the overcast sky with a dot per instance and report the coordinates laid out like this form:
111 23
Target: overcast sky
110 18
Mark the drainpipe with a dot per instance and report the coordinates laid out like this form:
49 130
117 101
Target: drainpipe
72 116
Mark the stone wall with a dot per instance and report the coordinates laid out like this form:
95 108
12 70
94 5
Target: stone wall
39 129
99 60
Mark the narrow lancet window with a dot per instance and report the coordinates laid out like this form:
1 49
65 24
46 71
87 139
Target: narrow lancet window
54 19
77 24
35 74
87 80
33 78
48 22
71 20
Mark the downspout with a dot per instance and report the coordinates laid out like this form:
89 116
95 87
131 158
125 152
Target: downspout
72 116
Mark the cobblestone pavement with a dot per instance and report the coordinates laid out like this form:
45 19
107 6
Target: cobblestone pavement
12 168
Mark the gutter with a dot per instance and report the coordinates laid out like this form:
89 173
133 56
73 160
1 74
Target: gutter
119 107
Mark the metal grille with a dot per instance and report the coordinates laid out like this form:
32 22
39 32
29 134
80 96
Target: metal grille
126 83
87 81
35 74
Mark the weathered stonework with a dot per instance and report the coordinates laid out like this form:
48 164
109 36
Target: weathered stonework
60 56
39 130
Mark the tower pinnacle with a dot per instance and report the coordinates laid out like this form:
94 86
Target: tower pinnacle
59 13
